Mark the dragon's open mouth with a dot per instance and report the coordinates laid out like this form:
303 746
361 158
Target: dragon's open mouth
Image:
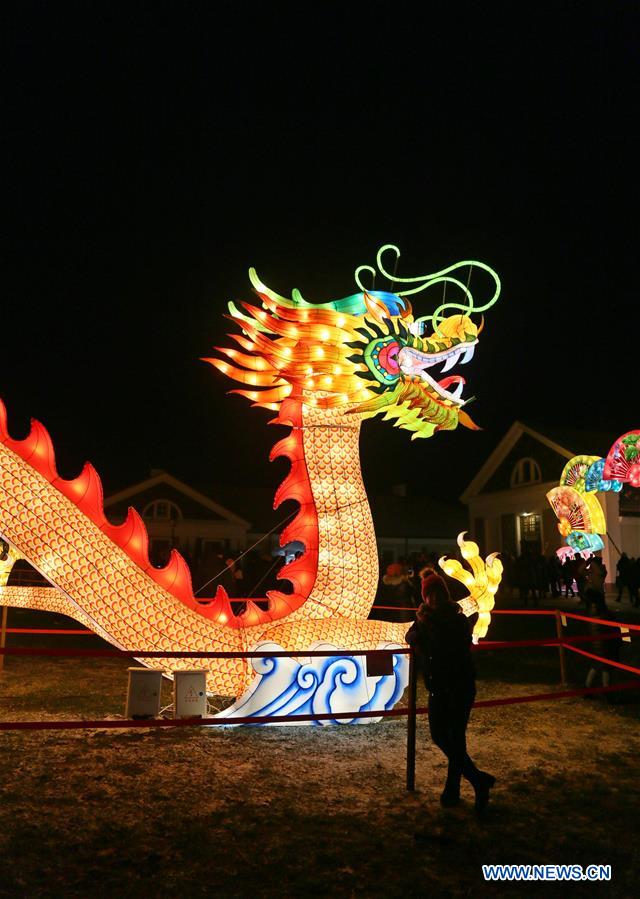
413 363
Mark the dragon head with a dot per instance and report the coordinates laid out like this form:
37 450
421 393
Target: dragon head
362 355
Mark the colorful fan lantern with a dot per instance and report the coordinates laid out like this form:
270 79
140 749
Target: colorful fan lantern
580 515
574 472
595 482
576 511
623 461
564 553
582 542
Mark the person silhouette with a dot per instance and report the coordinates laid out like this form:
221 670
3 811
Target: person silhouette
441 638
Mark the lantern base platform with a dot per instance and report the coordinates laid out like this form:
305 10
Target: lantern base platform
319 685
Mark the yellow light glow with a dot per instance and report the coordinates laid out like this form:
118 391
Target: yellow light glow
7 564
564 527
482 582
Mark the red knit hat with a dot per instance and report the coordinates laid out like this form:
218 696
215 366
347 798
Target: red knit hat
430 581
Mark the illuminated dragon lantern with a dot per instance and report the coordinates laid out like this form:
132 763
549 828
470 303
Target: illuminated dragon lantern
323 368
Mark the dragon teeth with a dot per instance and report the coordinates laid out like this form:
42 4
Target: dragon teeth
450 362
468 356
457 393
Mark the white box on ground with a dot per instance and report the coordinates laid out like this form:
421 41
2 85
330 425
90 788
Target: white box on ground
190 694
143 693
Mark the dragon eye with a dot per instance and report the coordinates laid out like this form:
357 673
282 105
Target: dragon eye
381 357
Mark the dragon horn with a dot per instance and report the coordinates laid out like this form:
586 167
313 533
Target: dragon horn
376 309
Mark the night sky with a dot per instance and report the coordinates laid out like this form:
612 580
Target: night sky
153 153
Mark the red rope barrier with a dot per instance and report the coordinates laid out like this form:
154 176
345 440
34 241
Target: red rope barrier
548 641
590 655
559 694
62 631
608 622
397 608
46 630
563 694
493 611
523 612
111 724
148 654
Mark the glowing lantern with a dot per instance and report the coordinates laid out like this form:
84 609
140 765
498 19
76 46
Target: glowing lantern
583 542
595 482
622 457
575 471
564 526
482 582
576 511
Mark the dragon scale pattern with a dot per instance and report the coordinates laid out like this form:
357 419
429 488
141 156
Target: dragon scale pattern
347 568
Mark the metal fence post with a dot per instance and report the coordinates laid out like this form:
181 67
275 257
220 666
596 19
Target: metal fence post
411 723
560 635
3 634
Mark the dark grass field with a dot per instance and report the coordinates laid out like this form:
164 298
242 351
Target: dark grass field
310 811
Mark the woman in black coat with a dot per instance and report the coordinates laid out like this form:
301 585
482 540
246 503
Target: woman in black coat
441 639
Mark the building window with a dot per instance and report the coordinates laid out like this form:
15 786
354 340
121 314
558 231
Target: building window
527 471
530 527
162 510
530 533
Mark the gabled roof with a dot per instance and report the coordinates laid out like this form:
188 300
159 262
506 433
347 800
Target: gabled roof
580 441
566 442
164 478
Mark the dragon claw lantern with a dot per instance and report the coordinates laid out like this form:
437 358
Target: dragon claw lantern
323 369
